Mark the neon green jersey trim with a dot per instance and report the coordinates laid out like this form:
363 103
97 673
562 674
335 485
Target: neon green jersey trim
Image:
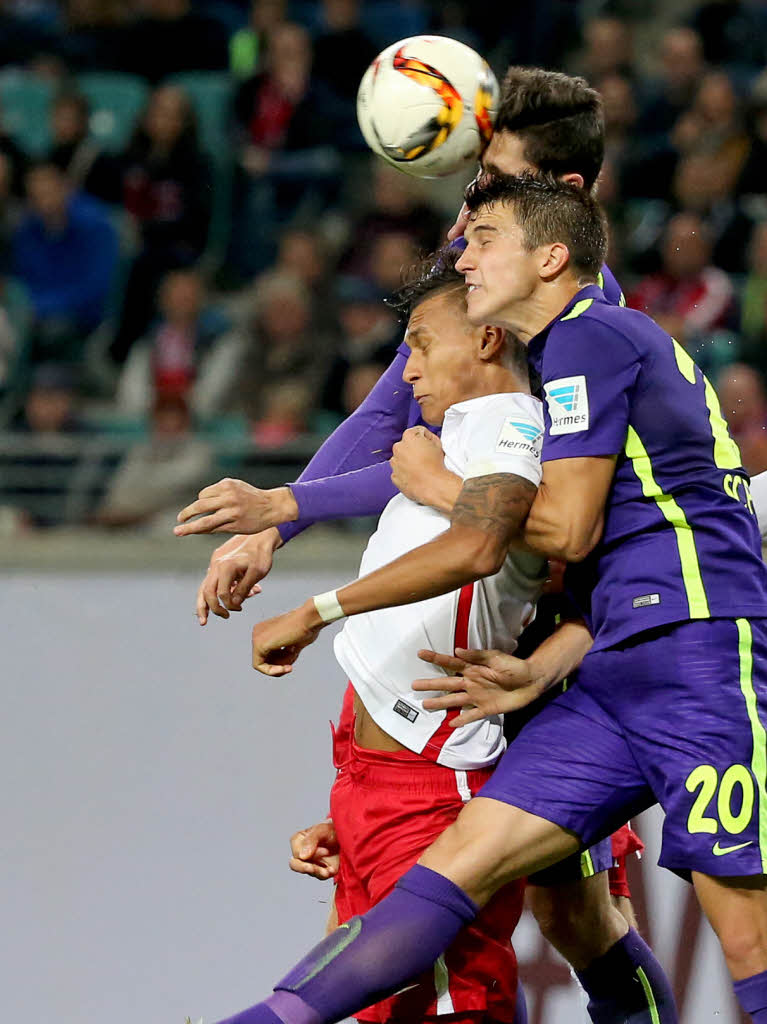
684 361
578 308
622 300
726 451
601 279
674 515
649 995
587 865
759 737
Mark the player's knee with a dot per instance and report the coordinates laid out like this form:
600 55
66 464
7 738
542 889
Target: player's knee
579 920
744 943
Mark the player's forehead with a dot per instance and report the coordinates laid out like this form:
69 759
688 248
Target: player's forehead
496 219
433 314
505 154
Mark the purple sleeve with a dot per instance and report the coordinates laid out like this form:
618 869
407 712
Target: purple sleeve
589 371
349 475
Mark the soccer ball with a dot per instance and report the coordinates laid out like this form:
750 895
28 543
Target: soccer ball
427 105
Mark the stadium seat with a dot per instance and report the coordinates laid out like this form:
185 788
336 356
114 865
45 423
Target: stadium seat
211 95
116 100
25 102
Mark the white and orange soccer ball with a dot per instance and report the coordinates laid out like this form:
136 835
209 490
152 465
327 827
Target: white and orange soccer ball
427 105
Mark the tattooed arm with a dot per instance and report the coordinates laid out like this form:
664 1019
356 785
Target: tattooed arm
487 517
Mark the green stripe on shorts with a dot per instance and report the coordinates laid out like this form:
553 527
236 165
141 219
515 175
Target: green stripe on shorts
758 735
587 865
651 1004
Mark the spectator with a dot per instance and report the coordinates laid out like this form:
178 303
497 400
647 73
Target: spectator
714 124
10 212
753 319
17 161
248 45
343 50
733 34
97 34
187 353
83 161
166 188
172 37
689 297
700 187
65 253
752 181
284 346
289 164
44 466
398 207
607 49
681 70
284 416
744 404
389 253
359 382
370 334
157 476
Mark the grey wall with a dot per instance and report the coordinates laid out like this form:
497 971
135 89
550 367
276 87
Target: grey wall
150 782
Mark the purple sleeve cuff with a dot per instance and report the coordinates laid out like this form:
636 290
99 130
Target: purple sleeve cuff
364 492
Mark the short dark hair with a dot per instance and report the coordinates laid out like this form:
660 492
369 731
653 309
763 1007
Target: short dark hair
435 273
549 210
429 275
558 118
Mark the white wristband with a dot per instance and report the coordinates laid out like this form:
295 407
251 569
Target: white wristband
328 608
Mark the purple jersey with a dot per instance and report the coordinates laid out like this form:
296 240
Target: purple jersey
349 475
680 539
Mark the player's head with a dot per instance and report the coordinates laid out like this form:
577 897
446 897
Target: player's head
450 359
550 122
532 242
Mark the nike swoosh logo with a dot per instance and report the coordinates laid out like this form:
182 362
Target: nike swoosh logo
720 851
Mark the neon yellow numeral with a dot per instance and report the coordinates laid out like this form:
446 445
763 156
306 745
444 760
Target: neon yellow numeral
707 777
736 775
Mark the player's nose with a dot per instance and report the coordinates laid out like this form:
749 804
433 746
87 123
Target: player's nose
411 372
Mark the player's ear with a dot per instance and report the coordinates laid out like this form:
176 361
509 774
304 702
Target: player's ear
491 342
554 259
574 179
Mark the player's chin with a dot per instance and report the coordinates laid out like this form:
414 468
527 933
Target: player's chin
476 308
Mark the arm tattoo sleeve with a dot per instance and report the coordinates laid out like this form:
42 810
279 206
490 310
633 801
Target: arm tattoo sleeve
498 504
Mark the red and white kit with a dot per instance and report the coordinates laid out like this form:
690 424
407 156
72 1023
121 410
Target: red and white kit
388 807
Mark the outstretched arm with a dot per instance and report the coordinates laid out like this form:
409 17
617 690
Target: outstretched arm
486 518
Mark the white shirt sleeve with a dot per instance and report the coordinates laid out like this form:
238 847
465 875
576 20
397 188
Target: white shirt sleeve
506 437
759 495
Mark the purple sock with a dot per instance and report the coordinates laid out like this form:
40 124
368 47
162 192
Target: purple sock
370 957
752 996
520 1014
626 985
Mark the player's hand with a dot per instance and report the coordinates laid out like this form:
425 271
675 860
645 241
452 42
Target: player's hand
459 228
235 570
315 851
487 683
417 462
278 642
233 506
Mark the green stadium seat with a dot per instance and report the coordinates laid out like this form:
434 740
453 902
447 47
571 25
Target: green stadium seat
25 103
116 101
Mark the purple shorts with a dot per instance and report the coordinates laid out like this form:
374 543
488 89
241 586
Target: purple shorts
674 716
598 857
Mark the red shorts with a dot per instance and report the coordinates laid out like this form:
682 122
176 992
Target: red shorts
625 842
387 808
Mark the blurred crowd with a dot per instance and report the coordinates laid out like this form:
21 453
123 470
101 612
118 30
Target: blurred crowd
195 244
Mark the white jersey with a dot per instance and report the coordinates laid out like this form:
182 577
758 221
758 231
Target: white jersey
759 497
378 650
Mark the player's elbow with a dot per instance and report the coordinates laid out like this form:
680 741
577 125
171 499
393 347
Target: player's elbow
575 541
484 555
